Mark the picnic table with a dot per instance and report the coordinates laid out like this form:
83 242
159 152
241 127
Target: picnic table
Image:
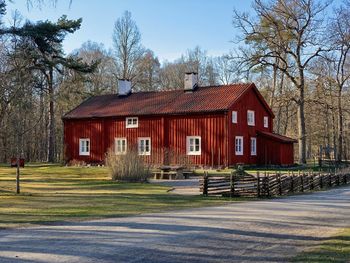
171 172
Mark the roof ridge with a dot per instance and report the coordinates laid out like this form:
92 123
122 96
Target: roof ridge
177 90
204 99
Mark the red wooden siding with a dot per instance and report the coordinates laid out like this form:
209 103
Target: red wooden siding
92 129
102 133
211 128
148 127
287 153
249 101
165 133
274 152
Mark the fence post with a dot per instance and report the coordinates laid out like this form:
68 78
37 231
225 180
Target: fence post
311 180
345 178
279 184
321 180
232 185
258 183
338 178
265 186
205 184
330 179
292 183
302 182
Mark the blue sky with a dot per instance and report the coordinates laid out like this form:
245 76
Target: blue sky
168 27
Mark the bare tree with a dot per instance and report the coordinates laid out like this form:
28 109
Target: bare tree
127 45
148 68
227 70
339 34
285 27
103 79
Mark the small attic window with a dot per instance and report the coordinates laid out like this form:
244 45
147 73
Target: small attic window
132 122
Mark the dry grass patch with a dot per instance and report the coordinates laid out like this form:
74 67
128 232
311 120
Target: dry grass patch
53 193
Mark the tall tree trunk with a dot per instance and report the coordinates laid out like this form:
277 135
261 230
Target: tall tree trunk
328 133
280 106
334 128
52 135
301 126
18 189
274 85
340 126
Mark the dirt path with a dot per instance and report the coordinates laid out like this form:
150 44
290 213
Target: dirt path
181 187
263 231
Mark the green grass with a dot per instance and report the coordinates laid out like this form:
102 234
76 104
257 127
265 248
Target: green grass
336 249
53 193
310 166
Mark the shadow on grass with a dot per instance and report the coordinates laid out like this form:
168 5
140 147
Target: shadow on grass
336 249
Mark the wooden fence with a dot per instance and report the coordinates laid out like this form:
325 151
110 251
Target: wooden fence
267 185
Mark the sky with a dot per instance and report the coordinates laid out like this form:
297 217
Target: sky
168 27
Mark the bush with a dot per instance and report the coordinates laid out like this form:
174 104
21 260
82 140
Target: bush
129 167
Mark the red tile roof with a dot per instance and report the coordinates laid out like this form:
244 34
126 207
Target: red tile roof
277 137
203 99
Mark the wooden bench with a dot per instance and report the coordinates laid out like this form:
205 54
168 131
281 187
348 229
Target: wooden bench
171 175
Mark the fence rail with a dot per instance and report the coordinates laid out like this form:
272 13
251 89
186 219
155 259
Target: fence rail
267 185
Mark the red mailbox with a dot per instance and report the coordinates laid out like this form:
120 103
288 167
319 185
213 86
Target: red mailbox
14 162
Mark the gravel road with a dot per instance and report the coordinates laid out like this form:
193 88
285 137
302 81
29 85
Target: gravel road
261 231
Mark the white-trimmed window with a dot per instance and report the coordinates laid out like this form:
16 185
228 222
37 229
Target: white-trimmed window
132 122
144 146
194 145
239 145
266 122
253 146
251 117
120 145
234 116
84 146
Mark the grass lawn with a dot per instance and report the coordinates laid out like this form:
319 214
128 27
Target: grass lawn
336 249
54 193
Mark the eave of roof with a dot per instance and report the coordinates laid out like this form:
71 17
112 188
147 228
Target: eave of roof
277 137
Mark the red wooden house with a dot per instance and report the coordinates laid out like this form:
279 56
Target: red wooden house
214 125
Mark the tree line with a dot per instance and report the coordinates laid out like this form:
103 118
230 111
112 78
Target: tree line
295 51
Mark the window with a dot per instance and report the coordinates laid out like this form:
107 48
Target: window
253 146
251 117
266 122
132 122
239 145
144 146
120 145
84 146
234 116
193 145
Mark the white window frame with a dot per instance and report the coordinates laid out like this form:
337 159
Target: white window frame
234 117
134 122
193 151
266 121
239 146
253 146
121 150
84 150
251 121
144 152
